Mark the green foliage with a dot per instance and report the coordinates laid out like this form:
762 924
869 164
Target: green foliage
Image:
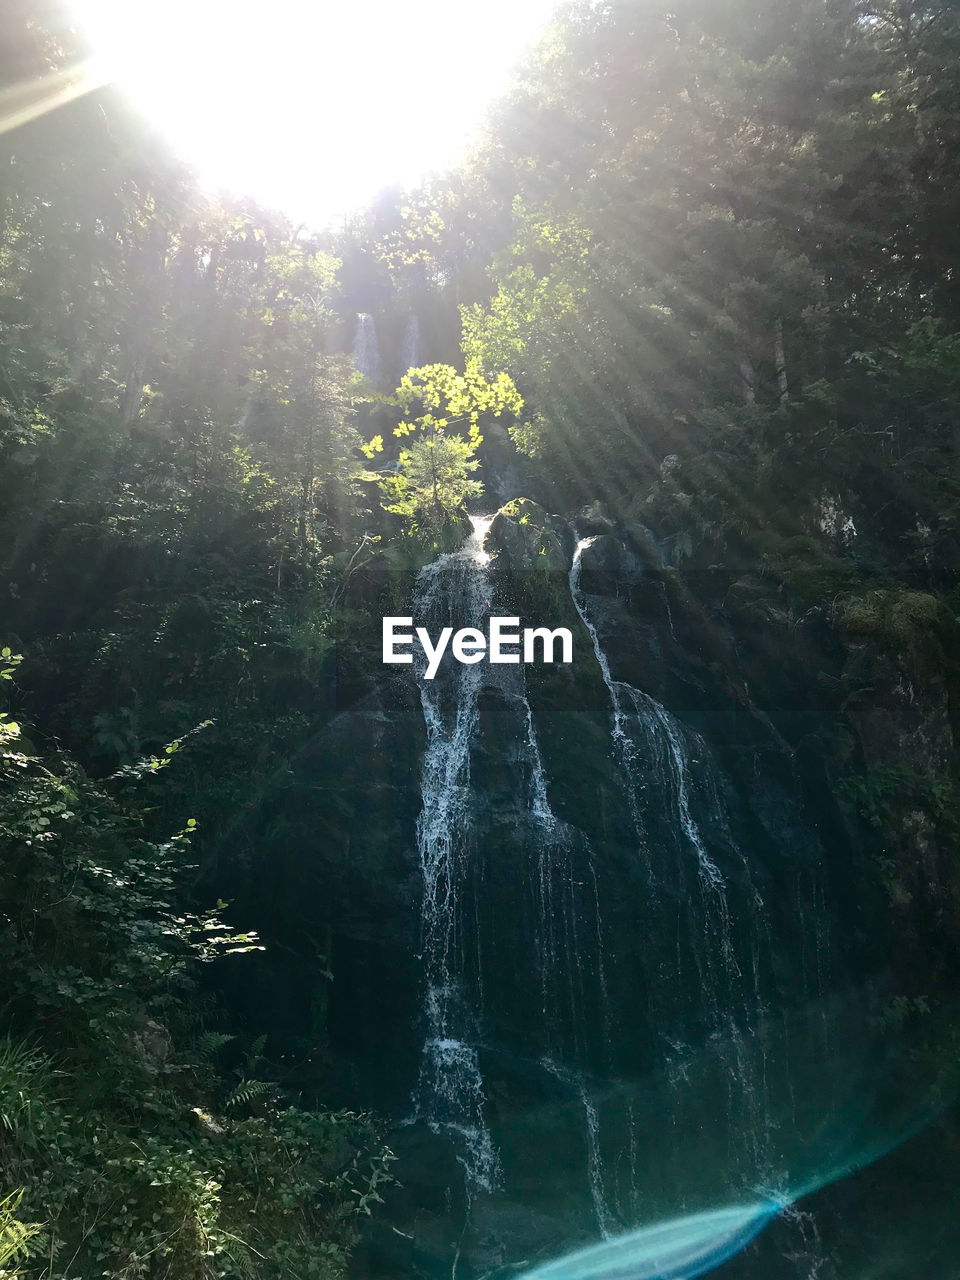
434 481
10 660
211 1042
542 282
893 799
133 1157
15 1236
445 399
9 729
881 790
679 271
902 1010
898 618
443 409
24 1073
246 1091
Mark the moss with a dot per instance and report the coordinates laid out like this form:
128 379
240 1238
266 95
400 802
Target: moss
526 511
811 573
894 799
897 617
420 545
527 538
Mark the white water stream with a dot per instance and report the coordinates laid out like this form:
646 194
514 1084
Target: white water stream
456 589
366 348
558 882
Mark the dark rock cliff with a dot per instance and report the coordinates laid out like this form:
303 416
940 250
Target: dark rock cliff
678 894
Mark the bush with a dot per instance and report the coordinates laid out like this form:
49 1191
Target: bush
119 1137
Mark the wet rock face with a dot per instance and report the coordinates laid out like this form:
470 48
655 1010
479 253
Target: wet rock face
523 537
898 706
590 943
336 901
594 519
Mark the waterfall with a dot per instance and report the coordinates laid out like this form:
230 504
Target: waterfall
410 357
450 1095
366 349
602 981
664 725
512 918
649 741
624 699
576 1083
554 880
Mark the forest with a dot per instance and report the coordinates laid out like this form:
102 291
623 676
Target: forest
315 967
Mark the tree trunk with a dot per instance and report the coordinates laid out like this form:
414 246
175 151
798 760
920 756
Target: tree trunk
780 357
748 380
132 397
306 496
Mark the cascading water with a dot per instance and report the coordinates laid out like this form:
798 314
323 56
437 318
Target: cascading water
575 1083
650 743
366 349
631 706
624 699
410 348
616 980
456 590
450 1094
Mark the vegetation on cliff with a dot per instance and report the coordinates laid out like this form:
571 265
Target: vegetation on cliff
703 274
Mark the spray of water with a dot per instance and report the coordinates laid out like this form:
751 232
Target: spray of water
366 349
456 589
450 1094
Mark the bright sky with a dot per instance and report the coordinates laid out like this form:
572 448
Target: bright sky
313 106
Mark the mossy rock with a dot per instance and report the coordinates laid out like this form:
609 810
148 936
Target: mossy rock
523 536
896 617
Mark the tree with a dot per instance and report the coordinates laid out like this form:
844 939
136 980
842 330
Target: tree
434 481
433 478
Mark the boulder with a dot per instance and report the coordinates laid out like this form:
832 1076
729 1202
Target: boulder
603 554
527 537
594 518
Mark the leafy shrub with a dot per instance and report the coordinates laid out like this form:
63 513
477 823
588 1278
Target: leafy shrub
15 1236
119 1138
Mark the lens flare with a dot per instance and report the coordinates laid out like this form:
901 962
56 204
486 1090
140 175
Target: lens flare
677 1249
688 1246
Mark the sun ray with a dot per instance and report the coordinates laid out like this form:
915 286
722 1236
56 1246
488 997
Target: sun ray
30 99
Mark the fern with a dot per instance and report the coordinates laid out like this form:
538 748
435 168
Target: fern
255 1056
15 1236
246 1091
211 1042
241 1255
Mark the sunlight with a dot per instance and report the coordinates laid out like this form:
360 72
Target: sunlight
309 107
29 99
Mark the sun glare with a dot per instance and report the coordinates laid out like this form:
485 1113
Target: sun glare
313 107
